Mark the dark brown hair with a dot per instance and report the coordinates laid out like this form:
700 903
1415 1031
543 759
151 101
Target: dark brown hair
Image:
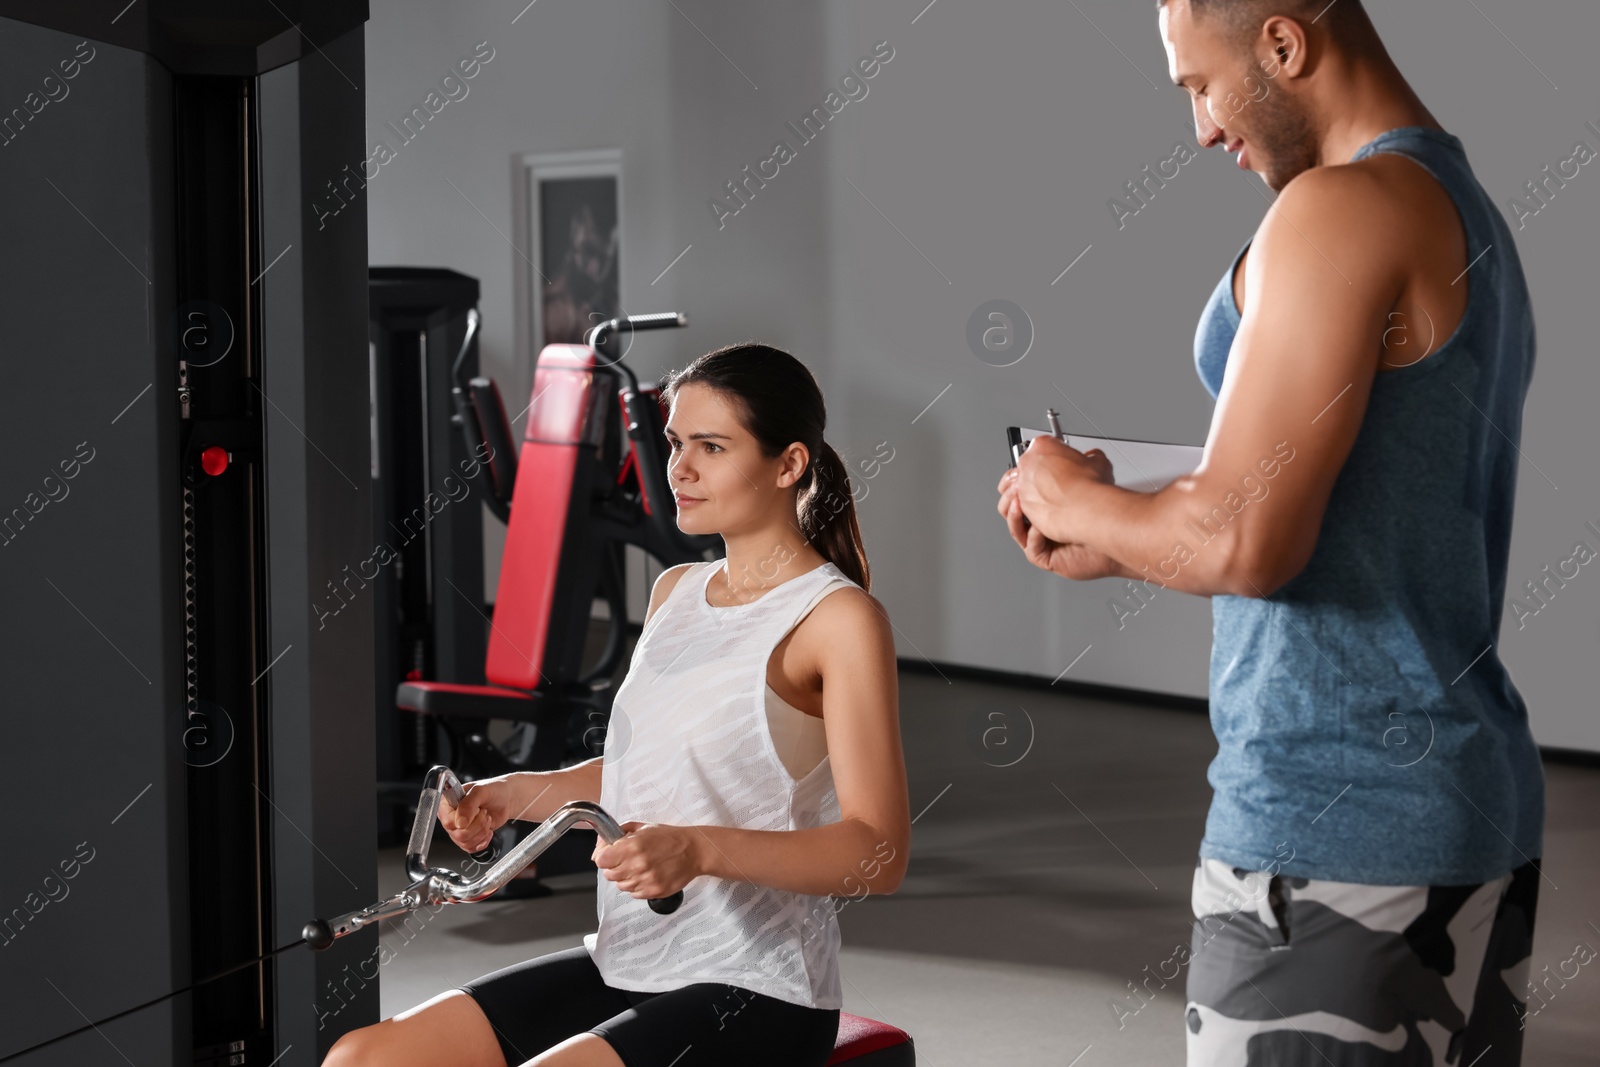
780 404
1344 19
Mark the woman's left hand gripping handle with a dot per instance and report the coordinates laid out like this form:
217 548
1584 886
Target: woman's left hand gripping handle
651 860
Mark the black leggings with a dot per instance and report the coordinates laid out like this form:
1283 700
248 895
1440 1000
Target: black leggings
541 1002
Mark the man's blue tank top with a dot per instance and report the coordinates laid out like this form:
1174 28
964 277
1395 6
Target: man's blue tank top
1366 728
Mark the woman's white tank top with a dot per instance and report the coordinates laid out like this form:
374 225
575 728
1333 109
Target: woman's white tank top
689 744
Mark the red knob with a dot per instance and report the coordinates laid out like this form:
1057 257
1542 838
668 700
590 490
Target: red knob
214 460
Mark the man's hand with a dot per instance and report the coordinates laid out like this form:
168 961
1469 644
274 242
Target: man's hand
1048 476
654 860
1077 562
1044 475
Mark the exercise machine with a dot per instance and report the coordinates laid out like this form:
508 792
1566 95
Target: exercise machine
185 413
861 1042
589 478
188 375
428 516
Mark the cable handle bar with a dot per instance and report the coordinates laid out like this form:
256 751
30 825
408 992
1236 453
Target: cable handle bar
441 885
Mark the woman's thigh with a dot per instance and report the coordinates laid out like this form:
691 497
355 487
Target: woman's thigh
537 1004
501 1019
712 1025
450 1028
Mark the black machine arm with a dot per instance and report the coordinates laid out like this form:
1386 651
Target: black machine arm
501 466
440 885
663 539
482 418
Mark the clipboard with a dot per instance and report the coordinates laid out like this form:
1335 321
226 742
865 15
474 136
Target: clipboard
1143 466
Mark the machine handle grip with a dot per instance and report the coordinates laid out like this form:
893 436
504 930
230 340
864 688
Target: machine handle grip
662 320
598 336
667 905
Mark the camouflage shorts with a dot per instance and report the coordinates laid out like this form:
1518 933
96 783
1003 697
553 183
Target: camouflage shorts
1289 971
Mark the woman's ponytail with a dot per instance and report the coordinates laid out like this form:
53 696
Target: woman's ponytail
827 514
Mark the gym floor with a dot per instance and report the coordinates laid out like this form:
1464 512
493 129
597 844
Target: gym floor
1037 891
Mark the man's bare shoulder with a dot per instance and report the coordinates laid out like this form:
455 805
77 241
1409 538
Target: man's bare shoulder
1352 224
1387 199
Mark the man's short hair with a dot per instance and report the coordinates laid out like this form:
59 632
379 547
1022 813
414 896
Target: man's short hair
1243 18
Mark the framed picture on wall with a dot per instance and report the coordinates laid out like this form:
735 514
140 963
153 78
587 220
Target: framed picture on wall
570 220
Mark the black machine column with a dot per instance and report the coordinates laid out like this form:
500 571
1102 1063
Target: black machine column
185 426
427 516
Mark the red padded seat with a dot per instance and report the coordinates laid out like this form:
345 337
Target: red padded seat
864 1042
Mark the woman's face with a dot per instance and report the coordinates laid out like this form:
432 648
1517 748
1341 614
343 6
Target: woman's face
720 481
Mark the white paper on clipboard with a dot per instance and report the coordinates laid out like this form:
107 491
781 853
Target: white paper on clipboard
1143 466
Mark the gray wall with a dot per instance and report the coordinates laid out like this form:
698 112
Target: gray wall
979 166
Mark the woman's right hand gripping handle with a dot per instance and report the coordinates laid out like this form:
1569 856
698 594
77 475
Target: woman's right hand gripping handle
486 805
532 796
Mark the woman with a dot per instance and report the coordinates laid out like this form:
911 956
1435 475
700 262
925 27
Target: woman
753 757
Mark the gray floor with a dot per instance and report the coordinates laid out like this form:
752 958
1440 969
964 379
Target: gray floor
1036 891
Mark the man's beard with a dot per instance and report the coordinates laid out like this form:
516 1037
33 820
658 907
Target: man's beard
1283 141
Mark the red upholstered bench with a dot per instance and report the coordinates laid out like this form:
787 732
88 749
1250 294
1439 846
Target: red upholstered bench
866 1042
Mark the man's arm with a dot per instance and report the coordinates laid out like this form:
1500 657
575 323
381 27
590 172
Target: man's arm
1322 275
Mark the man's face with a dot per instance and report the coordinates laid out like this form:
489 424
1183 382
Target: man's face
1238 100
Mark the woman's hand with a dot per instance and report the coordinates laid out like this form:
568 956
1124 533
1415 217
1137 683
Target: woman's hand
486 805
654 860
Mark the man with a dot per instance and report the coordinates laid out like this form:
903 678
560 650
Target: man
1366 885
